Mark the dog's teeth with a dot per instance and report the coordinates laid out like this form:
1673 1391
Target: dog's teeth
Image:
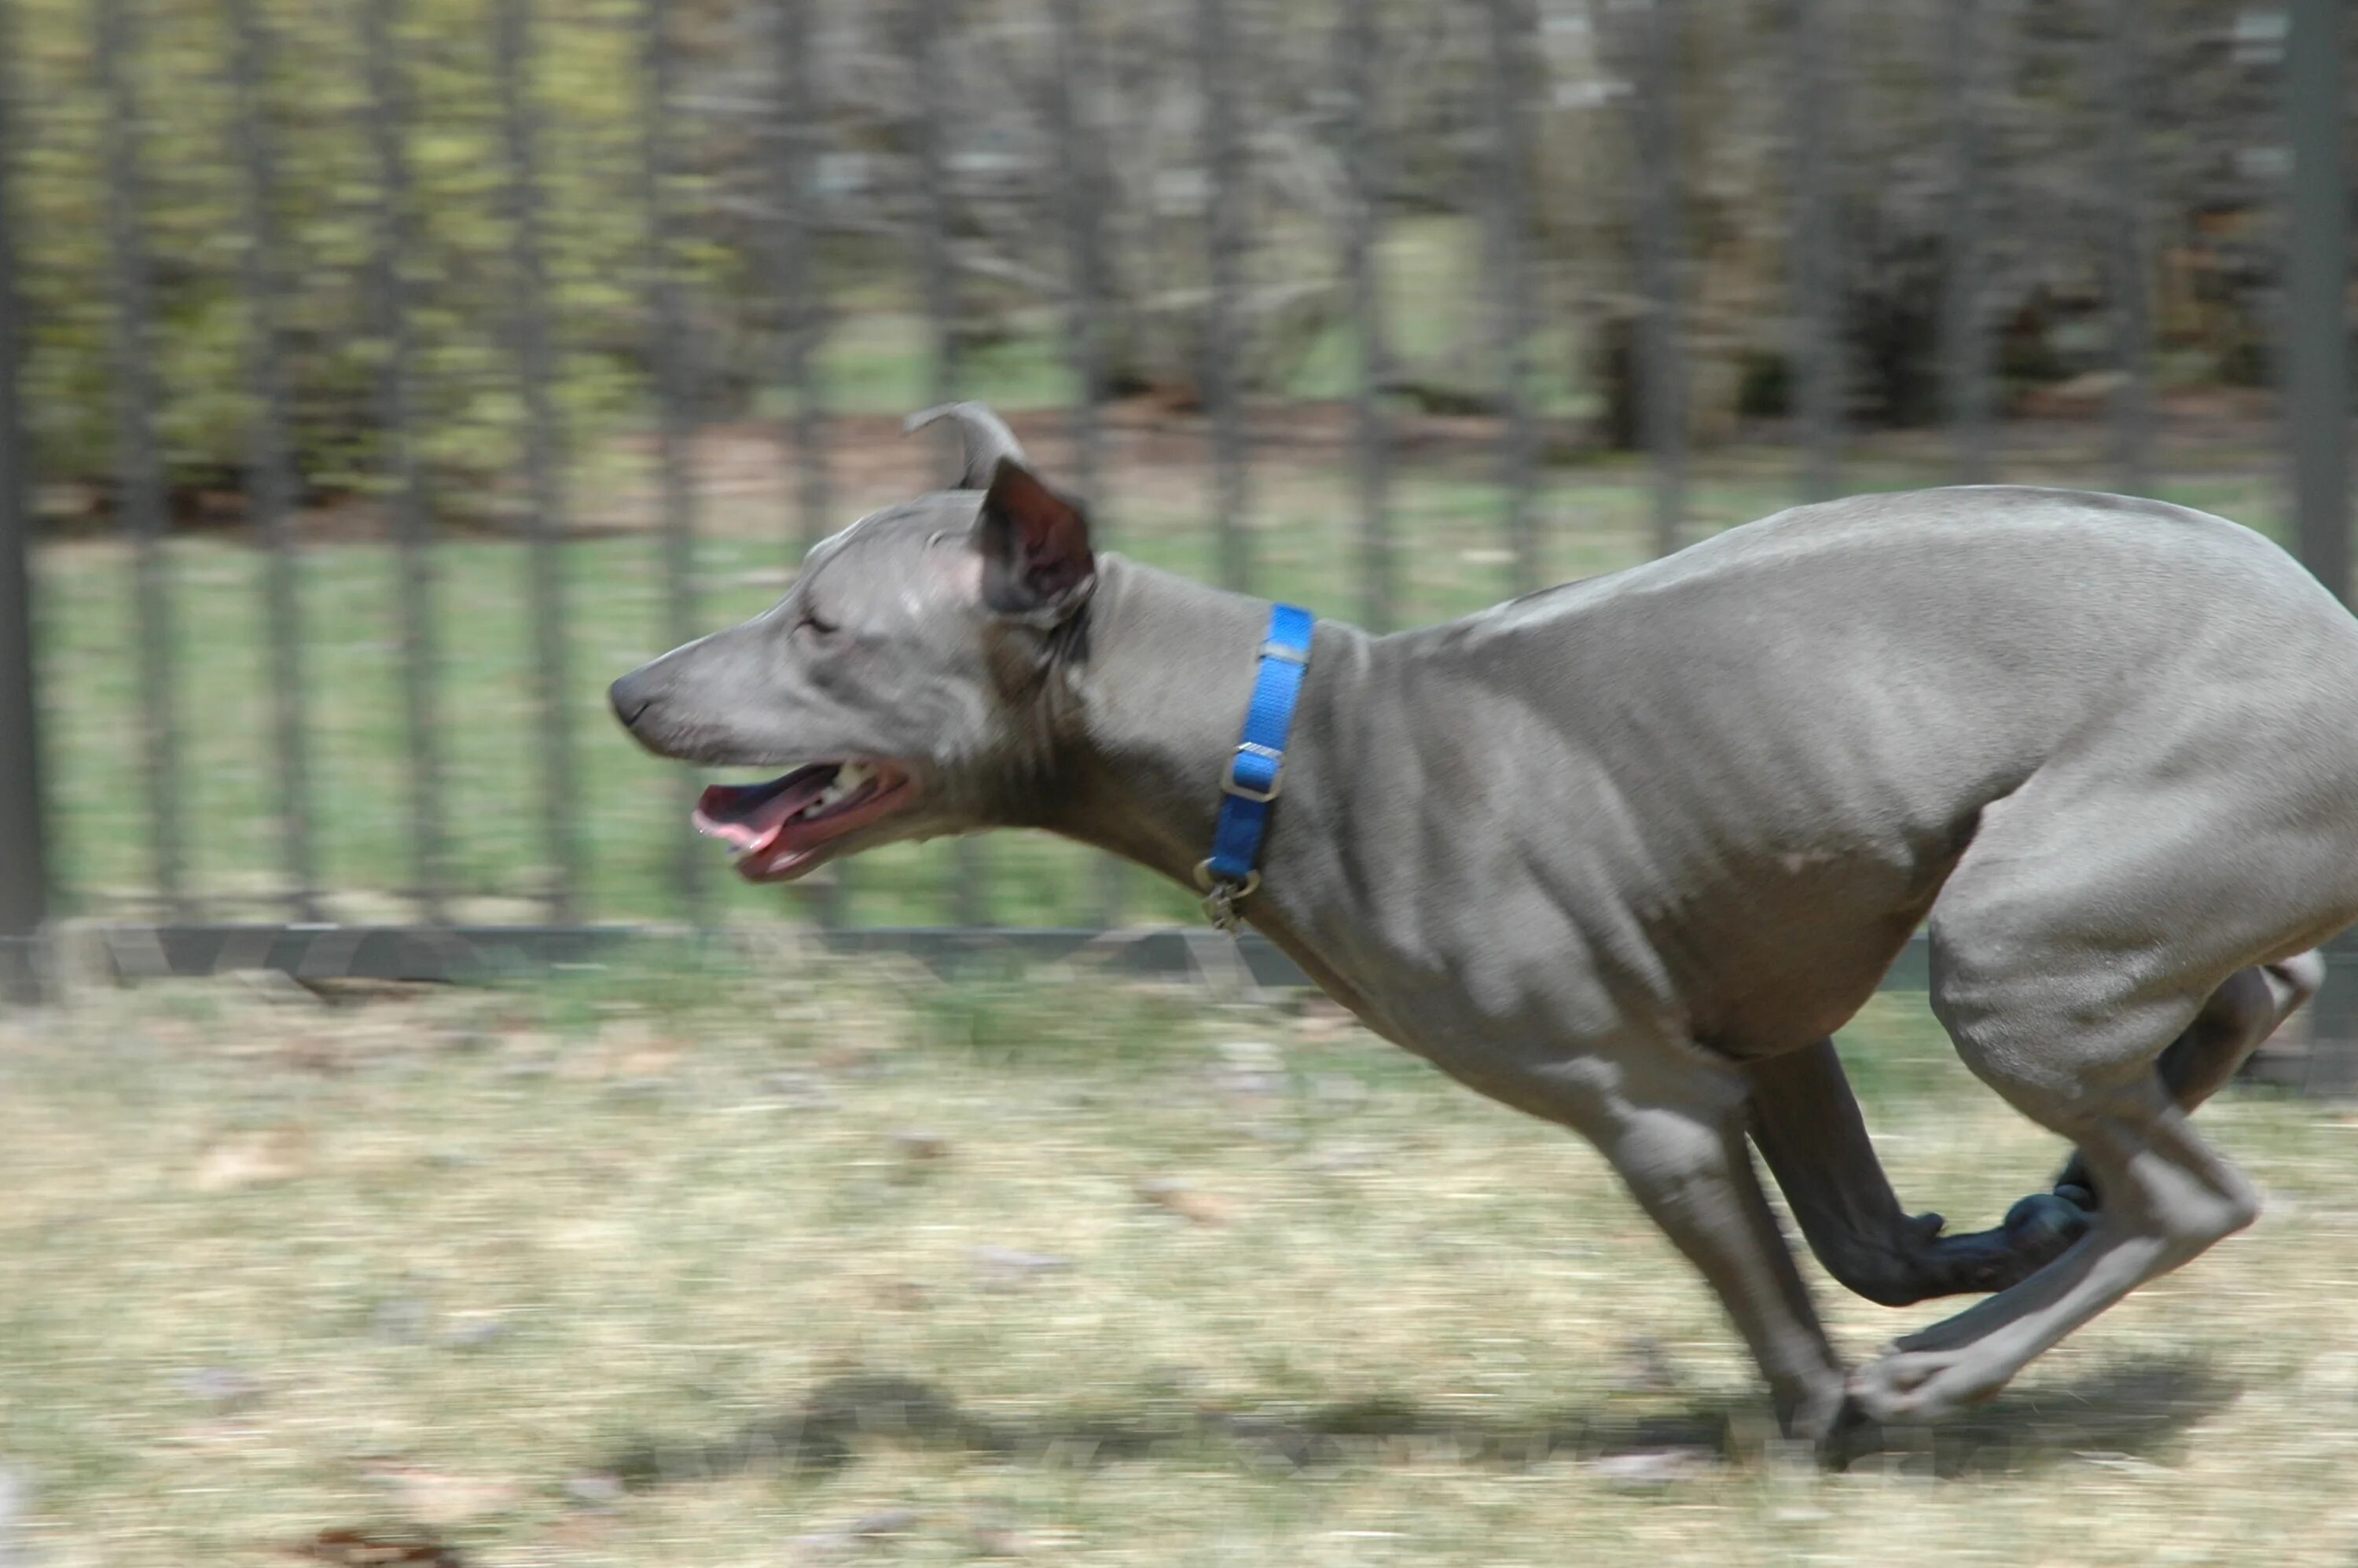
848 778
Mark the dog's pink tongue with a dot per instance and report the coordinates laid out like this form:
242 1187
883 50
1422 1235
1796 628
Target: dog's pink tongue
749 816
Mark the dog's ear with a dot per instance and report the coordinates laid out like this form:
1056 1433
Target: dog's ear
1035 545
983 435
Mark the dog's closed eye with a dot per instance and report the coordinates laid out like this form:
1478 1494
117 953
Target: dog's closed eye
815 627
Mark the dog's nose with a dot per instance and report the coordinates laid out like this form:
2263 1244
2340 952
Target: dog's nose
631 697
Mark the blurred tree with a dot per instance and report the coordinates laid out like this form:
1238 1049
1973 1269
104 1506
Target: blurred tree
2214 158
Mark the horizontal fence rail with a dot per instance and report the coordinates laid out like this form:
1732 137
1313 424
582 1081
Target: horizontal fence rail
2319 1053
1095 208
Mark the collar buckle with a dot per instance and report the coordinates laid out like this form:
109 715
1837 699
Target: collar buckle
1261 793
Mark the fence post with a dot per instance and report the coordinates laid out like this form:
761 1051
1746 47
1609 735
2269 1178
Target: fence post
2131 307
271 478
674 425
545 522
1216 74
138 458
802 304
388 118
1378 589
1817 318
929 22
2317 345
1514 320
1081 193
24 866
1661 360
1965 340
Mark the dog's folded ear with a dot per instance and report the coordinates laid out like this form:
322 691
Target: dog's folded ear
1034 545
985 436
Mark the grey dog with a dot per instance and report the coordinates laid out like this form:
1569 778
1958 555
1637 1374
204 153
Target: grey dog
1626 853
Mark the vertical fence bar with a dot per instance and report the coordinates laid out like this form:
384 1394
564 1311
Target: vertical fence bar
930 22
1223 153
1512 317
1379 594
804 307
388 121
1079 191
1965 340
674 419
1081 194
23 860
1817 316
140 465
1661 360
2132 403
2317 276
544 520
271 481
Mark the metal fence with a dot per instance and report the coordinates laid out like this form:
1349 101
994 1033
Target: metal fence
1647 38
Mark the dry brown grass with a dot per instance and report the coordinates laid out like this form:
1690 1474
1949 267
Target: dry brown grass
737 1267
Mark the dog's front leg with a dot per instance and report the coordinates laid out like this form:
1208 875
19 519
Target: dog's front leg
1675 1133
1806 1123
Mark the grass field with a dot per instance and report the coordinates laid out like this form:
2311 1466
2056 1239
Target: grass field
753 1266
1303 518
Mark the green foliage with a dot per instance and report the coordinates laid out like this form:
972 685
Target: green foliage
326 208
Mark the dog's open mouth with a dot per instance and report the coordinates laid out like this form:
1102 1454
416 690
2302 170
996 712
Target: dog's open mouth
780 829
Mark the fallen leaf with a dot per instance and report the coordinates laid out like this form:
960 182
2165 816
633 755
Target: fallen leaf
377 1548
253 1158
1200 1208
436 1497
652 1062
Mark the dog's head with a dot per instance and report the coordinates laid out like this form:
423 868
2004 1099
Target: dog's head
903 684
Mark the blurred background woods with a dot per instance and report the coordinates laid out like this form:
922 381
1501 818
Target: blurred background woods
2211 158
395 371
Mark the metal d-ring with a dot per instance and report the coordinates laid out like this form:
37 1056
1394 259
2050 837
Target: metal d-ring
1221 895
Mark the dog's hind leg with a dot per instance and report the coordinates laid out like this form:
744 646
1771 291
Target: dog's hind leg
2173 1198
1805 1121
2235 1022
2067 957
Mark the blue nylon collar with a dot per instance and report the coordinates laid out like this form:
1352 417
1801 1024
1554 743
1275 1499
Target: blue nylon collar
1255 772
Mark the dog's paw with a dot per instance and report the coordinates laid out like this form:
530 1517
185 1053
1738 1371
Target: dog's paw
1909 1386
2044 1224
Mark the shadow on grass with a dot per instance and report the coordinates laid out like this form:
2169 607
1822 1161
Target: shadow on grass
2123 1413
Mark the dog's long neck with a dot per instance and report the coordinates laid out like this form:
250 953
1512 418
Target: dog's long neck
1158 704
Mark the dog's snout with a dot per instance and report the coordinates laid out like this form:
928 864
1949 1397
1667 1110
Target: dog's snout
631 697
